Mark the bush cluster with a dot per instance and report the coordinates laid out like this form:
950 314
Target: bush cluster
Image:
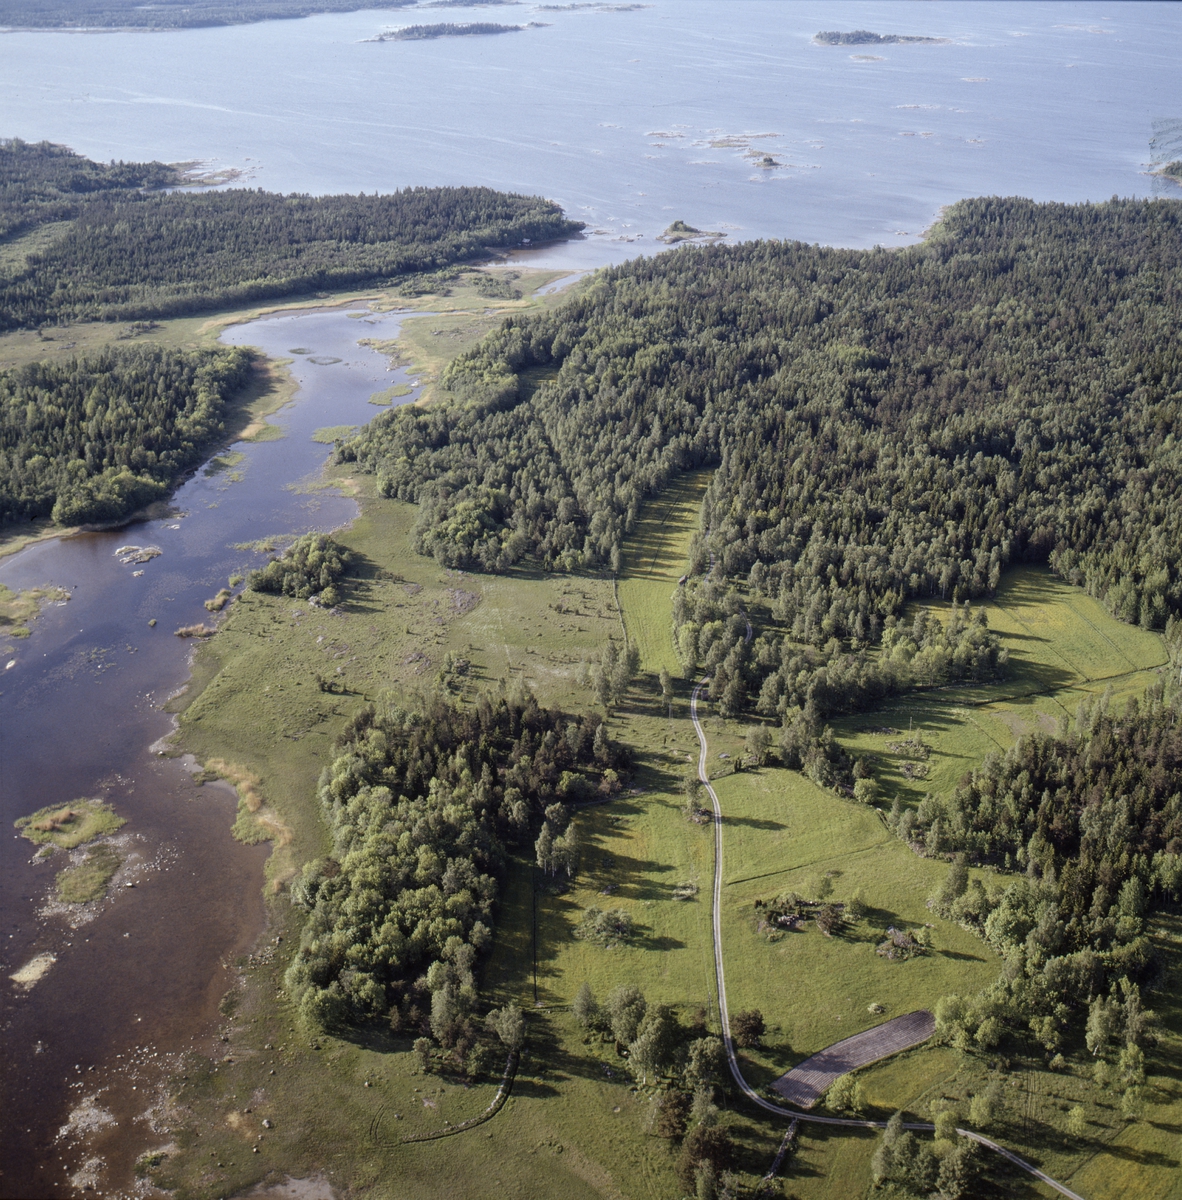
423 808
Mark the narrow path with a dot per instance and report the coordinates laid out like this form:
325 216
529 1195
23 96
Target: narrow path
724 1015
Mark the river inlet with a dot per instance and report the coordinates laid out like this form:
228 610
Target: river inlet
133 981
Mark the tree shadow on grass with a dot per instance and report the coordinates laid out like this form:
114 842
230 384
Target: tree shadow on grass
360 583
550 1063
647 941
1166 1126
1144 1158
821 1136
755 1146
754 823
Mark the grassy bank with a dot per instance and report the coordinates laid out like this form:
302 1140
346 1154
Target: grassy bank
88 880
17 609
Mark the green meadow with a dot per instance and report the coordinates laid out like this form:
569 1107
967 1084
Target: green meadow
654 560
575 1125
1064 649
781 833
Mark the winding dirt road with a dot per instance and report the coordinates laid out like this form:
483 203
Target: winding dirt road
724 1015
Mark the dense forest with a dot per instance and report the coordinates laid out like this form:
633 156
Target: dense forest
110 245
95 438
885 426
424 808
169 14
1093 819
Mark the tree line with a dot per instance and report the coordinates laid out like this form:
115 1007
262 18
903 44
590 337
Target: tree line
1092 820
94 438
129 251
195 14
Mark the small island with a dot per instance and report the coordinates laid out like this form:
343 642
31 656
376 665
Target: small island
863 37
70 826
679 231
67 828
422 33
1170 170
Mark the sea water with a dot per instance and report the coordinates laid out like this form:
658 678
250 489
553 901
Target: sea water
633 119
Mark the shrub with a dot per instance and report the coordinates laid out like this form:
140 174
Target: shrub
706 1146
747 1028
605 928
585 1008
309 567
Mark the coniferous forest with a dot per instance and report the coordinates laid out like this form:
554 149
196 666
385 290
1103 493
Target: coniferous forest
423 809
885 425
122 249
96 438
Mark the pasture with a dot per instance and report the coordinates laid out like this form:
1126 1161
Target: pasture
783 833
655 558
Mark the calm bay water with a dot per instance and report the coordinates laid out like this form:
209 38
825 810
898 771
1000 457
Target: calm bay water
630 120
633 119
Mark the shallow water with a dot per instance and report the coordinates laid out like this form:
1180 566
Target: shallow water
140 974
634 119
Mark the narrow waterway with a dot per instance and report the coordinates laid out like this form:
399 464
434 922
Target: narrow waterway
136 979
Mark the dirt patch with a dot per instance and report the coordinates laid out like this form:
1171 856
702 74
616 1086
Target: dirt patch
806 1083
462 602
316 1187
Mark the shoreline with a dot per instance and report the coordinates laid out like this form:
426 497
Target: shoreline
274 387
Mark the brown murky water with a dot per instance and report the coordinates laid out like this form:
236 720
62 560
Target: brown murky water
135 979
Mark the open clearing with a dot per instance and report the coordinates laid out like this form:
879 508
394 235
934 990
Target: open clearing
783 833
1064 648
654 560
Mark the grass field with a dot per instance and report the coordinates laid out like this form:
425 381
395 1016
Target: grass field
575 1124
1063 649
257 707
781 832
654 560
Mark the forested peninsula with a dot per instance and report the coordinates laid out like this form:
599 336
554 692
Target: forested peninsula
100 437
107 243
96 438
885 425
192 14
